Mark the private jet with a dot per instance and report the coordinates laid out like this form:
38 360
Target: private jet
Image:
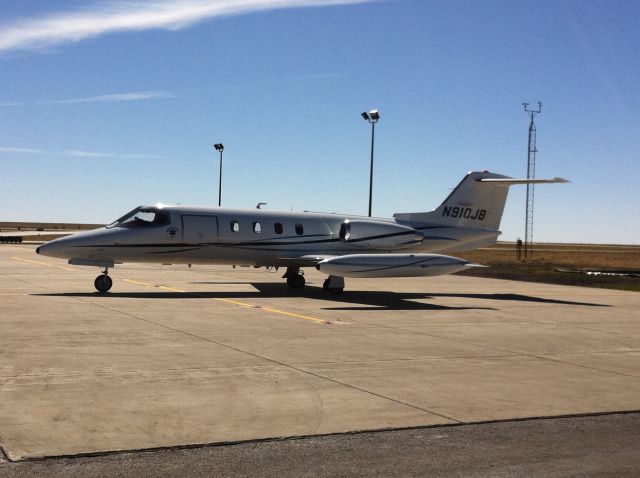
339 245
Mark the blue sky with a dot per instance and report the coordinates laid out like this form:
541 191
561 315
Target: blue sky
108 105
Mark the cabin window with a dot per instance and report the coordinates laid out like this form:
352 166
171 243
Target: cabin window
299 229
235 226
257 228
278 228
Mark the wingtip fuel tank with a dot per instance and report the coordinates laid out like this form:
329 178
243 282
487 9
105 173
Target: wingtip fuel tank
392 265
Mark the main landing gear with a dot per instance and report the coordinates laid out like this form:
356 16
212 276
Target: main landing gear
103 282
295 277
295 280
334 284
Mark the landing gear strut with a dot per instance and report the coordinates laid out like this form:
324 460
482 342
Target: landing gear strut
295 277
103 282
334 284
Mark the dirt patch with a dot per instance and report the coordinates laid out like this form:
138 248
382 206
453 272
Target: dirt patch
550 259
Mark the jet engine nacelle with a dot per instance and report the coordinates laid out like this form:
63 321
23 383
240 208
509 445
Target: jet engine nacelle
392 265
378 235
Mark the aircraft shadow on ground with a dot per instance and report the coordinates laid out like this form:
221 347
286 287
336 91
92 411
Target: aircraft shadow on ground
349 300
403 300
519 297
360 300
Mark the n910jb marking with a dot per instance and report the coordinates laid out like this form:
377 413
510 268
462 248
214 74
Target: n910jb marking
340 245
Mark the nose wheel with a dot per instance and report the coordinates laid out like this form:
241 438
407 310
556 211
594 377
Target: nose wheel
103 282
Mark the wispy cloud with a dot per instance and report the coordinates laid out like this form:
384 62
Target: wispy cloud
110 98
93 154
84 154
10 149
97 20
74 153
114 97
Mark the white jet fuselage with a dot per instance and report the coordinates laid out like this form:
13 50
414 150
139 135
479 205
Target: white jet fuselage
254 237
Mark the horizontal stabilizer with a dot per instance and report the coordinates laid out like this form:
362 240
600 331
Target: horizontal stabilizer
523 181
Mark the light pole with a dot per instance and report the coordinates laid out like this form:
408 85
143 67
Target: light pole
372 117
220 147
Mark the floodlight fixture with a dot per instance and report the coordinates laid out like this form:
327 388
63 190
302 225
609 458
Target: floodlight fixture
219 147
372 116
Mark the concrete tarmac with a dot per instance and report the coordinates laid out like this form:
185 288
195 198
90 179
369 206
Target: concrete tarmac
176 356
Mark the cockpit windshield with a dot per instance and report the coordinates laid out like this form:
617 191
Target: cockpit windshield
142 217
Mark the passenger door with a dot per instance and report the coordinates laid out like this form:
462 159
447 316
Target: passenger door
197 229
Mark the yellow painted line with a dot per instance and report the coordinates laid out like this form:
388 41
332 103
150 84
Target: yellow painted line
275 311
291 314
235 302
42 263
241 304
171 288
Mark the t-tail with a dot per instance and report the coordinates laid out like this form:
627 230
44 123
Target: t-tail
471 214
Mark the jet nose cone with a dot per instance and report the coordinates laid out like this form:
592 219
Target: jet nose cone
55 248
43 249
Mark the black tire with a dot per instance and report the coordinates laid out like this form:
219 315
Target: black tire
336 290
325 285
298 281
103 283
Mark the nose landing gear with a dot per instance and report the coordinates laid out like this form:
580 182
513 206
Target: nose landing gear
103 282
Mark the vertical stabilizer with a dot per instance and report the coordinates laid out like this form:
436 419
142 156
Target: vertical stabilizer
474 203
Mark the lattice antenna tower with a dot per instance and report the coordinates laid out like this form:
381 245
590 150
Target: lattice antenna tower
531 174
